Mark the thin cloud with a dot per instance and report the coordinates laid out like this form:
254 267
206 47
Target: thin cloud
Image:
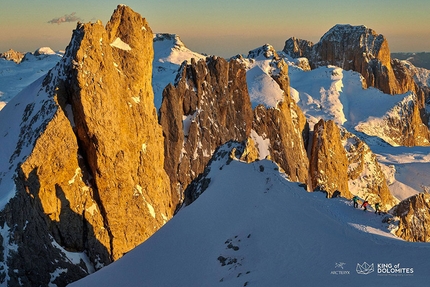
66 18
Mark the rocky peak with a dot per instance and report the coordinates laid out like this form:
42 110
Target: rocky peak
208 106
266 51
298 48
174 39
348 37
12 55
402 125
414 218
285 127
356 48
93 181
361 49
366 178
328 161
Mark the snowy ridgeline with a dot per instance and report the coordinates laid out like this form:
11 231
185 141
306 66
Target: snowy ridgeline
251 227
326 92
15 77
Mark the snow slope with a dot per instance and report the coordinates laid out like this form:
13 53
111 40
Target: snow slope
169 54
252 227
332 93
15 77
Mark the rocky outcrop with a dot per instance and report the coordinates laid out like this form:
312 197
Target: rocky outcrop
286 128
223 154
117 127
298 48
93 181
208 106
328 169
356 48
366 178
400 126
414 218
12 55
361 49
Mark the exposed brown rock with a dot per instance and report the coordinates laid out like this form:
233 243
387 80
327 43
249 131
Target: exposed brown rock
116 125
364 172
356 48
12 55
208 106
328 161
401 126
298 48
250 153
284 126
94 181
414 214
361 49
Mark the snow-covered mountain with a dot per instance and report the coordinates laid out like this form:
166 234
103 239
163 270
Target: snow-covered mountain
15 77
331 93
169 54
82 156
421 59
252 227
268 231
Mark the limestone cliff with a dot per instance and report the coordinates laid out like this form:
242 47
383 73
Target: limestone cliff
361 49
365 176
328 169
400 126
286 128
208 106
88 162
414 218
356 48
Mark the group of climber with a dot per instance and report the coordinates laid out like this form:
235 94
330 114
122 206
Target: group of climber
365 204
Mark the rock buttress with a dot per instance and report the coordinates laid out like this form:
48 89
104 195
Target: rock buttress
93 180
328 163
208 106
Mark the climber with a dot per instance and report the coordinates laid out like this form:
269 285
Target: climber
355 200
365 204
377 210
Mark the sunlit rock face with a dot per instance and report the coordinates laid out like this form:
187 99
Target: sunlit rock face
361 49
12 55
328 161
414 218
356 48
92 181
286 128
365 176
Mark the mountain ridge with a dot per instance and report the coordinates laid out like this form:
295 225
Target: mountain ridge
101 170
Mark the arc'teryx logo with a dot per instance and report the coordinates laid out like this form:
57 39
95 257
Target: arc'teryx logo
365 268
338 266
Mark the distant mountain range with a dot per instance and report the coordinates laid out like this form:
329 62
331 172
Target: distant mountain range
421 59
181 169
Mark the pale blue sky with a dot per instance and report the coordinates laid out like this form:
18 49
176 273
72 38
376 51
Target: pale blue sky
222 27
